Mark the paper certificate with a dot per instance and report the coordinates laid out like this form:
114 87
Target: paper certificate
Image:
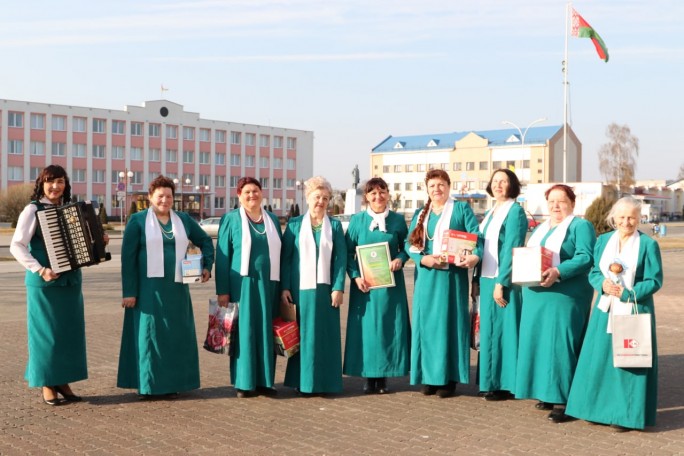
374 262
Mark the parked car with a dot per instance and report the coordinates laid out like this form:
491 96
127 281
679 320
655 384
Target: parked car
344 219
531 221
210 225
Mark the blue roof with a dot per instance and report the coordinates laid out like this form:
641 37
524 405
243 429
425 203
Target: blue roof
535 135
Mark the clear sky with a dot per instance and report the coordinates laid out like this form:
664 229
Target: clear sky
356 71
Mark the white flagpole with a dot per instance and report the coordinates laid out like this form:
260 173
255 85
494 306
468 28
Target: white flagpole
565 95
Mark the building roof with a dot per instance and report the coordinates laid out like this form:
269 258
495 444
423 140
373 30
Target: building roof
440 141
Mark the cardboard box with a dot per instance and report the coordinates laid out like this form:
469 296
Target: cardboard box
529 263
286 337
191 268
456 244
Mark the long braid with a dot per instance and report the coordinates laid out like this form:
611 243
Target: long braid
417 235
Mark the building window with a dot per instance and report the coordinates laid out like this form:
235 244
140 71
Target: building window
385 169
249 161
78 124
420 203
457 166
220 136
204 179
291 164
118 127
409 168
292 143
526 164
155 155
98 151
484 166
59 123
408 186
188 133
397 186
277 182
99 176
276 203
233 181
510 164
35 172
205 158
37 121
420 167
205 135
235 137
277 163
16 119
470 166
220 159
420 185
263 162
539 171
171 131
444 166
58 149
408 204
171 155
78 175
99 126
154 130
220 202
220 181
264 182
264 140
188 156
78 150
15 173
483 185
250 139
118 152
136 129
496 165
16 147
234 159
278 142
136 153
37 148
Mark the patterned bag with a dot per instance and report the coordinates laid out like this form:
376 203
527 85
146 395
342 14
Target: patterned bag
475 324
222 329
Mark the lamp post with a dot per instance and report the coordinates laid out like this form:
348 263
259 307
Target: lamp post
202 189
126 176
524 133
176 182
300 189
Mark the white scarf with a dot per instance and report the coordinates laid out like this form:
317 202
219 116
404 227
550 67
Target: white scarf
378 219
443 224
490 259
312 272
155 244
629 255
273 245
555 240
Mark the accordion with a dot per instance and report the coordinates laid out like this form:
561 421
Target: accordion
73 236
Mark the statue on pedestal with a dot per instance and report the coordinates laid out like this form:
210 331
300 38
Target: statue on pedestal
355 174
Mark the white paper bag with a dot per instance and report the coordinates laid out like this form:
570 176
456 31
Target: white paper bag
632 340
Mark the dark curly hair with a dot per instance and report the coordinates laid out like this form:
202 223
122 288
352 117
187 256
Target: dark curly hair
162 182
48 174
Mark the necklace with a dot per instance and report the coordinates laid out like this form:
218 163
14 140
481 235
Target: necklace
167 234
258 220
317 228
255 228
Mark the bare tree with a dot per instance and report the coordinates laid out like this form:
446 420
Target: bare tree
13 201
617 159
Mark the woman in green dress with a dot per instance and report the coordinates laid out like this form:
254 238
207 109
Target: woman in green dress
378 335
503 228
158 343
601 393
440 335
555 314
55 321
313 266
248 272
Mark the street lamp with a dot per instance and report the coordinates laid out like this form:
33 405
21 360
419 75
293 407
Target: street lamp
300 188
523 133
202 189
126 176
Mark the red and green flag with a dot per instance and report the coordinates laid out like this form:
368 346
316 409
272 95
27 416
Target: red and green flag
582 29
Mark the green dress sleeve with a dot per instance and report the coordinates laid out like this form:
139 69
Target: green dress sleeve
650 280
339 257
583 257
415 256
201 239
130 249
286 256
514 236
224 254
352 240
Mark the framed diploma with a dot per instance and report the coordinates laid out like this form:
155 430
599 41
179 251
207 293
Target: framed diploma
374 263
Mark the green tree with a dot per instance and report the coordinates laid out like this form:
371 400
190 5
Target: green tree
617 158
597 212
13 200
103 214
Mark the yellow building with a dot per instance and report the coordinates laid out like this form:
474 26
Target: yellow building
470 157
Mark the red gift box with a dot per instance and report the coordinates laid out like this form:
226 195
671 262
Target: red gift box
286 337
529 263
457 244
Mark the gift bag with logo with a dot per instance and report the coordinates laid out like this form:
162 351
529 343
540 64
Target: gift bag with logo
222 329
475 324
632 340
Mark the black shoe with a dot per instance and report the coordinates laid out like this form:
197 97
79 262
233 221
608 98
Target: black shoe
618 428
69 397
558 416
370 386
171 396
381 385
498 395
303 394
267 390
428 390
52 402
447 390
242 394
543 405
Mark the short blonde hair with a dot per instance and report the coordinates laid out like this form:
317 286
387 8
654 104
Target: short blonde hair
634 203
317 183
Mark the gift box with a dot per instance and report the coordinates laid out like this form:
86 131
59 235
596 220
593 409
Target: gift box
191 268
529 263
286 337
457 244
